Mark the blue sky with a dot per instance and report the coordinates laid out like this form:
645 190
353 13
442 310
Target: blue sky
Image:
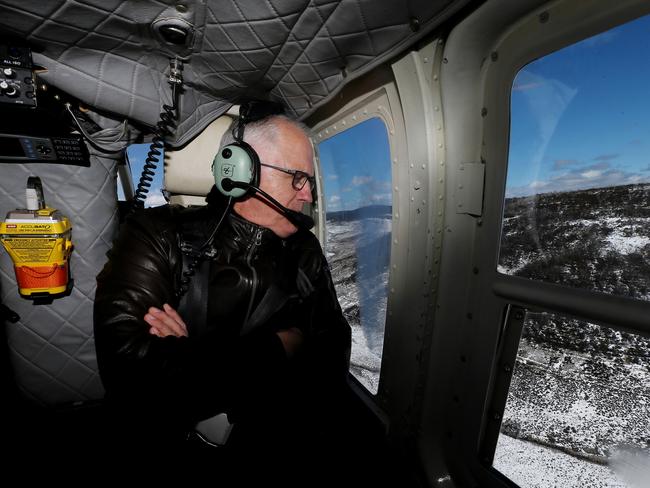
356 169
137 156
581 116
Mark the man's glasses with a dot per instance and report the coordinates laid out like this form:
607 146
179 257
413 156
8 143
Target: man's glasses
299 177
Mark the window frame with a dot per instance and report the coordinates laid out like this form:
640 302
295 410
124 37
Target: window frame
376 104
374 108
406 104
541 33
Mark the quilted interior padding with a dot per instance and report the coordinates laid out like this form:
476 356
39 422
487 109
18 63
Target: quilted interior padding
109 54
52 348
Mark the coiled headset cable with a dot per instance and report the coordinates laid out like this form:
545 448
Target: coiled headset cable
165 127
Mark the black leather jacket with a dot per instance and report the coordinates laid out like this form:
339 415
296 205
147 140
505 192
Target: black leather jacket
217 368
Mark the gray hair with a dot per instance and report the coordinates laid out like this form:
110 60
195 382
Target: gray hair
262 131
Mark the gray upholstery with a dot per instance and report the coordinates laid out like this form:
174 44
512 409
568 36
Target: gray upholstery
296 51
51 348
110 55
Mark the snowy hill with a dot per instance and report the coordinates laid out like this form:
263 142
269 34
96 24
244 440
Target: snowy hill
358 252
578 387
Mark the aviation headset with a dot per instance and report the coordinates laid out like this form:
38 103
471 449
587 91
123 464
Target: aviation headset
238 162
236 171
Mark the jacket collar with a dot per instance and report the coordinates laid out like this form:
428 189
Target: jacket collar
238 228
249 232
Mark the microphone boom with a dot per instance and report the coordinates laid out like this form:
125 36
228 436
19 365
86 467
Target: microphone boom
298 219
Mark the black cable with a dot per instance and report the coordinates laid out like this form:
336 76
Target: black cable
200 254
164 128
88 137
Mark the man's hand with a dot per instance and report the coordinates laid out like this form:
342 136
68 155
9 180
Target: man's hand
165 322
291 340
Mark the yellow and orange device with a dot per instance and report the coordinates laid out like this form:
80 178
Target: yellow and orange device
39 241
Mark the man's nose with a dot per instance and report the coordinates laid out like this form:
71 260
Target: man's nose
305 194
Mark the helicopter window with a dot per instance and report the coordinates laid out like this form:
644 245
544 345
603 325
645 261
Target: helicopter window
577 407
576 214
356 171
136 157
576 210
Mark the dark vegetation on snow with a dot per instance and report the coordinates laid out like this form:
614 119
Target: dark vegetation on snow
580 387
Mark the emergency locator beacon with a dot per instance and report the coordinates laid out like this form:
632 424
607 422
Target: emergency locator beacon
38 240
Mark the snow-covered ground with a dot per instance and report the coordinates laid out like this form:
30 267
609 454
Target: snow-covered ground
578 389
573 403
532 465
358 252
570 415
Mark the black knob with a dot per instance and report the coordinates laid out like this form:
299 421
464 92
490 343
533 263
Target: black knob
11 91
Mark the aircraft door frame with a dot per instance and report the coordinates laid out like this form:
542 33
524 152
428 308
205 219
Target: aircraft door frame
380 101
484 53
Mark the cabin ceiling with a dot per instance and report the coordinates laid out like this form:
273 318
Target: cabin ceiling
111 54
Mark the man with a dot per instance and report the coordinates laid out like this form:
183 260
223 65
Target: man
273 352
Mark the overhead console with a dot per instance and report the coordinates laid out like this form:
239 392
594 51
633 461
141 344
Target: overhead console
16 77
35 125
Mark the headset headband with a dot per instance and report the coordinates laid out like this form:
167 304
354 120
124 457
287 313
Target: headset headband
252 111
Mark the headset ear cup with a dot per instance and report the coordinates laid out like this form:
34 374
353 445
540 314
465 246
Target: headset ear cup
237 162
255 163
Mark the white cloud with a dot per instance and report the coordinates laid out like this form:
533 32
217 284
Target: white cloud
382 198
591 174
538 184
333 203
594 176
361 180
154 198
334 199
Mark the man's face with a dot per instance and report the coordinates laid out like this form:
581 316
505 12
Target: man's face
291 150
